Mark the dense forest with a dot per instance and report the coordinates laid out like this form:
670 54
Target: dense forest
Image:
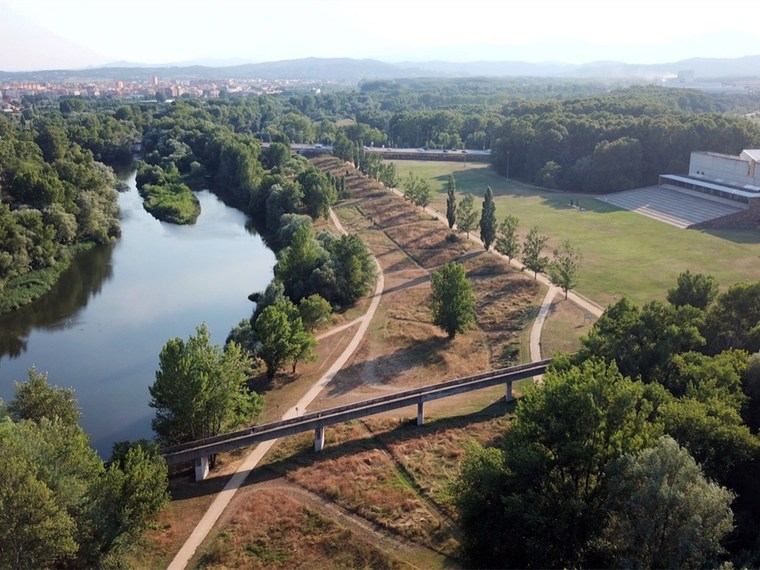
57 194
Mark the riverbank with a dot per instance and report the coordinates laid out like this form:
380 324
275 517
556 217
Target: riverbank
29 287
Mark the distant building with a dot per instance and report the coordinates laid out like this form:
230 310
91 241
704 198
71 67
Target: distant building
724 177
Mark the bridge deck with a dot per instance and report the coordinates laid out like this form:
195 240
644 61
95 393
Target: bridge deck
318 420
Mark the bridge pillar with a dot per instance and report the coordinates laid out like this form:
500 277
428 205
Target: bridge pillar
420 413
319 439
201 468
509 392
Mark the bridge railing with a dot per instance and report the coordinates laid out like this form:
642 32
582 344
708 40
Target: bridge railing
317 420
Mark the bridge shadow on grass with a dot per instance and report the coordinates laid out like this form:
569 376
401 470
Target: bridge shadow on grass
376 371
407 284
303 455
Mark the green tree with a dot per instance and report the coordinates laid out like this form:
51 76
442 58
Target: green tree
563 270
418 191
507 241
467 216
36 399
532 248
297 263
350 271
452 300
272 330
664 512
695 289
751 383
35 532
451 202
280 331
318 193
303 346
643 341
200 389
315 310
488 219
540 503
733 320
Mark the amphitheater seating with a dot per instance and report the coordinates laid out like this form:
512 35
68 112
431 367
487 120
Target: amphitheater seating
680 208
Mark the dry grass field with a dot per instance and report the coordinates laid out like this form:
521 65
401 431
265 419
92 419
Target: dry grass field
377 496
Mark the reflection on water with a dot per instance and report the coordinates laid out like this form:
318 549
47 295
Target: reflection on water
101 329
58 309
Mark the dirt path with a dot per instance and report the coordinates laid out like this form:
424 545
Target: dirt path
411 554
206 523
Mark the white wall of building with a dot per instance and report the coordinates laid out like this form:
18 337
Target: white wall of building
735 170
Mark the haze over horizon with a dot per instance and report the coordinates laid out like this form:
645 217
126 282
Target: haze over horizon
70 34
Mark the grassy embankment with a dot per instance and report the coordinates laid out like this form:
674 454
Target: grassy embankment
623 253
394 507
173 202
26 288
378 496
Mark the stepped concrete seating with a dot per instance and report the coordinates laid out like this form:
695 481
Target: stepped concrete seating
675 207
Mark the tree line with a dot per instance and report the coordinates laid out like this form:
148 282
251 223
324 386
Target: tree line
642 449
55 195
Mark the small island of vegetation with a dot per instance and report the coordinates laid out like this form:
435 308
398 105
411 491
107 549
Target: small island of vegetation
165 196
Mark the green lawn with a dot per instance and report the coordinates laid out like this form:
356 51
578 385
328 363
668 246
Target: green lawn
624 253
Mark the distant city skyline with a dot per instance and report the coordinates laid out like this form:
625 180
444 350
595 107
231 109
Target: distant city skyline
49 34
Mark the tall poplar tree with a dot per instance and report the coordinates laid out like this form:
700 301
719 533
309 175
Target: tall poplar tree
488 220
451 202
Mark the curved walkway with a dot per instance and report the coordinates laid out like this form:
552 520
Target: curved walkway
577 298
223 499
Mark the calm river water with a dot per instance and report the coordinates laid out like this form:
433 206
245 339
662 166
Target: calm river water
100 330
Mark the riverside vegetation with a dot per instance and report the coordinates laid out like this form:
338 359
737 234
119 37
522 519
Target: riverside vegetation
693 380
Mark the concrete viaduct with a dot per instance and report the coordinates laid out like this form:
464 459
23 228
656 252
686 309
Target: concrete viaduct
199 451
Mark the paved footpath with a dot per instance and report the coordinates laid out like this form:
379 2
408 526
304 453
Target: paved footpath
225 496
223 499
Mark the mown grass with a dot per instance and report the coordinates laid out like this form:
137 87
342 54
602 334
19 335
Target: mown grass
565 324
623 253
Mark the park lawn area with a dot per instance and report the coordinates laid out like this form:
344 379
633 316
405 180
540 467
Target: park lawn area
623 253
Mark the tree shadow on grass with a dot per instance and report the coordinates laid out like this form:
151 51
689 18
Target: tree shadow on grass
382 370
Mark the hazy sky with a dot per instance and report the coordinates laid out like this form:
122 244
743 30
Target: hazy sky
37 34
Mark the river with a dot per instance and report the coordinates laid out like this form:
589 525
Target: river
101 329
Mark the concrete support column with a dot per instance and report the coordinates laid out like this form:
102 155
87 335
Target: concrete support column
509 392
319 439
201 468
420 414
